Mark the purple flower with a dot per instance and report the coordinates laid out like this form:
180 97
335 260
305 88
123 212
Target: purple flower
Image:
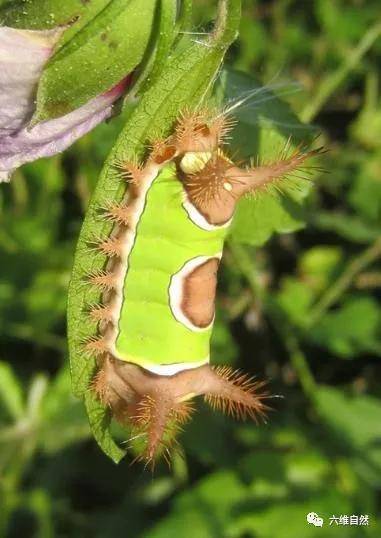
23 54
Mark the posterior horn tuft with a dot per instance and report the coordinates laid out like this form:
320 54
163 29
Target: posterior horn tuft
236 393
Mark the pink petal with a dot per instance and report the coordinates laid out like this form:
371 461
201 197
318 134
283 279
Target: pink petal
23 54
53 136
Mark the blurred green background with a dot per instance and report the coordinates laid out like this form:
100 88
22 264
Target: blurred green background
301 311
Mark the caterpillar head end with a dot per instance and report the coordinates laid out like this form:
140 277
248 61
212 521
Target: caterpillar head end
202 131
214 184
156 407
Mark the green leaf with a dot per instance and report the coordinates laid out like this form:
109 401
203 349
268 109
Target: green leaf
11 393
209 439
157 54
63 419
265 470
40 502
265 125
288 519
204 510
366 129
318 266
355 418
273 474
44 14
343 25
295 299
365 194
45 299
351 227
187 525
352 329
100 426
356 425
256 220
96 58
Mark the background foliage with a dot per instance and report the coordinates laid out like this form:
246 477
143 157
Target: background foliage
302 311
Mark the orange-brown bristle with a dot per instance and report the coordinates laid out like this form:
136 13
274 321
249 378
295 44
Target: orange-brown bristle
111 246
95 346
221 126
183 412
142 411
131 171
101 313
279 173
193 134
110 390
188 123
238 394
159 420
162 151
152 420
104 280
101 387
202 130
155 407
118 213
210 183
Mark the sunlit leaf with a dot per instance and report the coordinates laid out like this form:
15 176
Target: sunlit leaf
353 328
11 394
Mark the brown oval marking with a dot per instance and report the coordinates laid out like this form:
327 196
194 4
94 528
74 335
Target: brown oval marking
199 291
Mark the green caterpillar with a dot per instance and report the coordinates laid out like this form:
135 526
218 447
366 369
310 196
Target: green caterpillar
158 287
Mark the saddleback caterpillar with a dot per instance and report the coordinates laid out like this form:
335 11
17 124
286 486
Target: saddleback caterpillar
158 284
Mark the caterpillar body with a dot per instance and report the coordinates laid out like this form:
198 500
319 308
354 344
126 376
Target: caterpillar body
158 287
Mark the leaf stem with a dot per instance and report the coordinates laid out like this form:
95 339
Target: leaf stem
333 293
330 84
185 16
227 22
298 360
